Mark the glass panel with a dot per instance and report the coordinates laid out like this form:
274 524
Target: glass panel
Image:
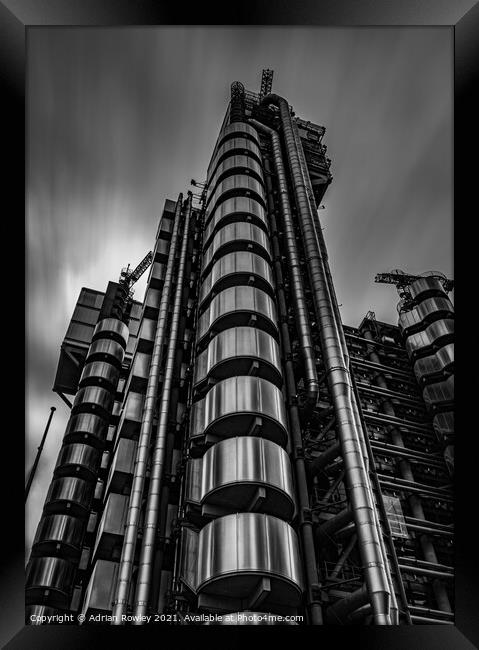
395 516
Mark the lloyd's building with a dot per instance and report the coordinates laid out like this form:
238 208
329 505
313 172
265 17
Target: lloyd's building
235 451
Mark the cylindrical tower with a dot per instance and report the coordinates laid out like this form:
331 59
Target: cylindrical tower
60 534
239 485
426 320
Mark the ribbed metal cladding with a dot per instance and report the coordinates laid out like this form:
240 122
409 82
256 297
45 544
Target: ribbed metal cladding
236 235
238 427
86 427
238 184
239 145
238 306
63 530
243 474
428 329
248 348
427 311
240 162
236 208
232 407
237 550
237 268
55 552
49 578
422 343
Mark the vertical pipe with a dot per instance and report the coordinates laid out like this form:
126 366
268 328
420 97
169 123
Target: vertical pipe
341 389
189 401
134 507
340 334
301 308
339 328
39 453
305 523
145 566
165 495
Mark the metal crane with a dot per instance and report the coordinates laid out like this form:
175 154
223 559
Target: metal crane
128 278
266 82
403 280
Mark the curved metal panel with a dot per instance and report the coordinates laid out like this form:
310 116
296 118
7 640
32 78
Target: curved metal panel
234 469
141 364
108 327
240 162
100 372
434 335
233 351
235 550
239 127
233 406
238 234
157 275
235 301
238 144
52 573
426 286
106 349
440 362
240 182
239 264
77 458
60 529
69 493
236 208
86 426
93 397
439 393
443 424
425 312
100 591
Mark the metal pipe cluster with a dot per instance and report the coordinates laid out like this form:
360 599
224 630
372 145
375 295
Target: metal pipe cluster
145 567
300 306
143 450
370 545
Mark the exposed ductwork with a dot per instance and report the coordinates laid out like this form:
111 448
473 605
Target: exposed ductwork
142 453
340 385
300 306
305 521
145 567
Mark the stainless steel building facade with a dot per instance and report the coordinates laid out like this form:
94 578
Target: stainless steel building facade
233 449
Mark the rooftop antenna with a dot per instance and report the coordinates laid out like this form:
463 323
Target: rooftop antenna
38 454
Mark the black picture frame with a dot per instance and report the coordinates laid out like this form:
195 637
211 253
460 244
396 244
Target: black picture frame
16 16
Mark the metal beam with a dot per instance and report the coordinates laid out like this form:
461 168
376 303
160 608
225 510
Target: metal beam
65 399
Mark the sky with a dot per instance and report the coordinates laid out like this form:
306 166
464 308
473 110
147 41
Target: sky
119 119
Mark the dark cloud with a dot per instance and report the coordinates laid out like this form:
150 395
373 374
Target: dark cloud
120 119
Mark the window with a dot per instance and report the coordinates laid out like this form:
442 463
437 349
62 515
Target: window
91 299
395 516
85 315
